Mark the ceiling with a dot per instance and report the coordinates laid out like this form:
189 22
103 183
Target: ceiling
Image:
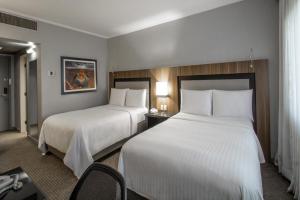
108 18
12 46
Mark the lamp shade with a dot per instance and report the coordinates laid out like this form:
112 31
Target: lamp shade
162 89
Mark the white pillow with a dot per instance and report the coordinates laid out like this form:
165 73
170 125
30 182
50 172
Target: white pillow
117 96
136 98
196 102
232 103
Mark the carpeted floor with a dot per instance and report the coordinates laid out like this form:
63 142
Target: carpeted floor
57 181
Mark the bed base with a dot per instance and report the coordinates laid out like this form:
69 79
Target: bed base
107 152
102 155
132 195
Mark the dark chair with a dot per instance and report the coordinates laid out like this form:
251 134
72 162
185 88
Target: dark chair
100 182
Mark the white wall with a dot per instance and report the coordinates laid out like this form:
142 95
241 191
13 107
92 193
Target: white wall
223 34
56 42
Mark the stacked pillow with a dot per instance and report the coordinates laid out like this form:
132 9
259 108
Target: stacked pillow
197 102
117 96
233 103
218 103
136 98
128 97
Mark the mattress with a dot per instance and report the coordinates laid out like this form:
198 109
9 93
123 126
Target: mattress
83 133
195 157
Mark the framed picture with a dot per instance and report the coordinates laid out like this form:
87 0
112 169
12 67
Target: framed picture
78 75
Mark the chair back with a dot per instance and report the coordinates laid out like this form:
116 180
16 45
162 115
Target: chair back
100 182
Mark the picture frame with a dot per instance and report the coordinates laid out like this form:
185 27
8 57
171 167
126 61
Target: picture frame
78 75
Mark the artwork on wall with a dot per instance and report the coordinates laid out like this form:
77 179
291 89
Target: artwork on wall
78 75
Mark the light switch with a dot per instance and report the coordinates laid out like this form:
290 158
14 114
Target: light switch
51 73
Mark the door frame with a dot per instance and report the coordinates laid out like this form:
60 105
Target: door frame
16 76
31 57
22 93
28 128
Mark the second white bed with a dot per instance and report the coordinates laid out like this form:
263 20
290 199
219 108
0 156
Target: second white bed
195 157
83 133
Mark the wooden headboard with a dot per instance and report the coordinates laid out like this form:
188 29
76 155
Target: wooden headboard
170 74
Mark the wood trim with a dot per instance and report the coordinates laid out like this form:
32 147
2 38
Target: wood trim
170 74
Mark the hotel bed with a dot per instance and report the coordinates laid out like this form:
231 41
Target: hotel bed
193 156
82 136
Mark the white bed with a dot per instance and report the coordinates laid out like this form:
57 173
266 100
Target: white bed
195 157
83 133
82 136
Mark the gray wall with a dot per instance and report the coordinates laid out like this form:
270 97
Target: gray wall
55 42
223 34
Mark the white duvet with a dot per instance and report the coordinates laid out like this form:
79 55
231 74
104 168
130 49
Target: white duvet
192 157
83 133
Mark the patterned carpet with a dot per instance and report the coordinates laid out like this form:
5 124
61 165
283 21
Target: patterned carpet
57 181
48 172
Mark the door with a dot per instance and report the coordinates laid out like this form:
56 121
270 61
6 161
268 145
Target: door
4 92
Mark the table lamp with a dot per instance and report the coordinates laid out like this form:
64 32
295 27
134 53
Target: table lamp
162 91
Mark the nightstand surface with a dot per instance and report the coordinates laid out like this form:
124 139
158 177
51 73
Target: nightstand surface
155 118
160 114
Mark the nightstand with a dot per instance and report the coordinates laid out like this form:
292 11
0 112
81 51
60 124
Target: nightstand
155 118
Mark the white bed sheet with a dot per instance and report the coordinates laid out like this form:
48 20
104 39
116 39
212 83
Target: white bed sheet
83 133
194 157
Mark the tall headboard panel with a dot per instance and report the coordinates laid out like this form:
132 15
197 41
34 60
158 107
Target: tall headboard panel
239 81
135 83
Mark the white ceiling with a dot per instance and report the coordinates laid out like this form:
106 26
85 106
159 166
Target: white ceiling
108 18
